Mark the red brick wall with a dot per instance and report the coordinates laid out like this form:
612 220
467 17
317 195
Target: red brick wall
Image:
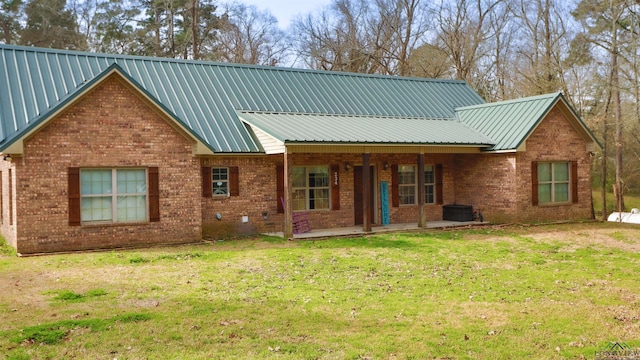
554 140
108 127
257 194
257 185
488 182
500 184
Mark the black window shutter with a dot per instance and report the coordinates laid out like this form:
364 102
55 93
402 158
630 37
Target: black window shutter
574 181
280 187
74 196
438 178
154 195
234 181
534 183
207 186
395 188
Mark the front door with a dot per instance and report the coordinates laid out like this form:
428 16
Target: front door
357 195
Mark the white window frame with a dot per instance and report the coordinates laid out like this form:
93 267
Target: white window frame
113 194
414 185
553 182
219 192
307 189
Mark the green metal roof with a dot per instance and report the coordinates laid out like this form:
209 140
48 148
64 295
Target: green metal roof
509 123
314 128
204 96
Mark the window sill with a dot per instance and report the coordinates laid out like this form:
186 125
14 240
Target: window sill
113 224
552 204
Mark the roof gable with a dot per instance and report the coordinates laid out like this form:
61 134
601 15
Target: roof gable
204 96
510 123
13 143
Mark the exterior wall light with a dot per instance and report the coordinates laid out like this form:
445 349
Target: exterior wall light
7 158
347 166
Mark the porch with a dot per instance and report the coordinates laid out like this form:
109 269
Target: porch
376 229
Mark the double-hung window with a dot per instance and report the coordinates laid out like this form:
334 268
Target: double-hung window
310 186
553 182
408 184
113 195
220 181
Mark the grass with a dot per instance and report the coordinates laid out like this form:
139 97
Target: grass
555 291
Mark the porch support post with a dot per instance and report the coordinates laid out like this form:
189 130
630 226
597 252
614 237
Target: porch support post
366 196
421 211
288 212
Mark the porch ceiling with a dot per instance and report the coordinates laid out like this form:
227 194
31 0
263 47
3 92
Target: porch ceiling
358 130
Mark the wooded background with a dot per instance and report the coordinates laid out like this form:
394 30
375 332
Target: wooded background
504 49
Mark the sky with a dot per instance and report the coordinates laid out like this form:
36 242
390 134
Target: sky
286 10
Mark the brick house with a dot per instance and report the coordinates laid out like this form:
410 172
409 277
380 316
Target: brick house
103 151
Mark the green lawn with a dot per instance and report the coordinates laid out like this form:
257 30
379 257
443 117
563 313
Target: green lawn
539 292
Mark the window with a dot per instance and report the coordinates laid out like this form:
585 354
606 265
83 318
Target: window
220 181
113 195
553 182
408 184
310 186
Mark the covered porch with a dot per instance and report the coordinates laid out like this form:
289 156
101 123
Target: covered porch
377 174
352 231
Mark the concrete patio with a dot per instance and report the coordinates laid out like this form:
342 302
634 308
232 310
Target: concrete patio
376 229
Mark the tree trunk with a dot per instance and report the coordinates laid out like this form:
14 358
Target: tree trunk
604 170
615 88
195 22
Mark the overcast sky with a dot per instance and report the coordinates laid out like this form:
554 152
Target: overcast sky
286 10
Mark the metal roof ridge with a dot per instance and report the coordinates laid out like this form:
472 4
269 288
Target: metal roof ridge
511 101
345 115
223 64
